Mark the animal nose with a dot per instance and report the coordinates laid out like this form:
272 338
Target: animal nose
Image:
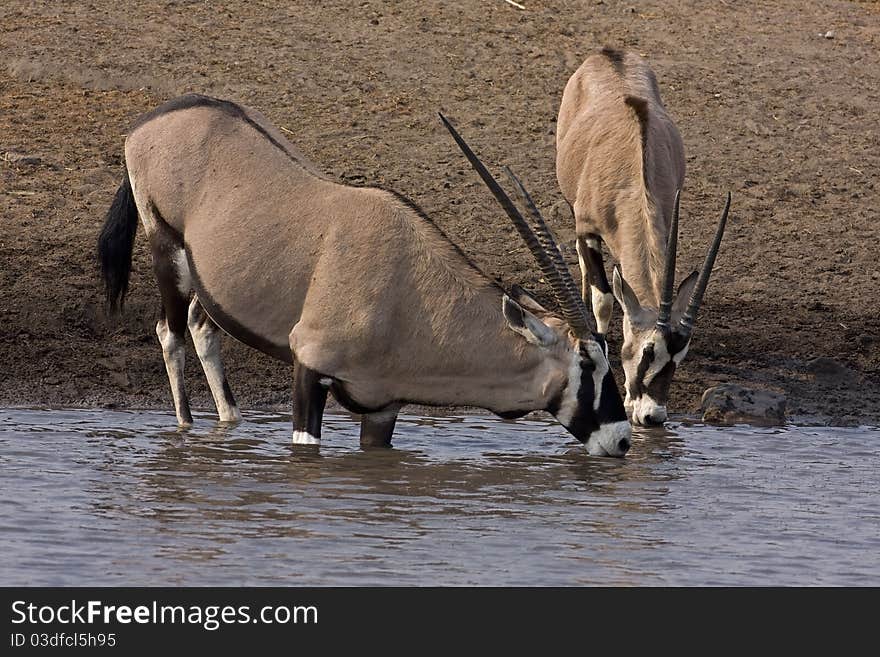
649 414
623 445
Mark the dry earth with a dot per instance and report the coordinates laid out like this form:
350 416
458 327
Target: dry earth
777 102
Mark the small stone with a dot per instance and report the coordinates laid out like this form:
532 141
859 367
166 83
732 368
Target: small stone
21 158
732 404
829 34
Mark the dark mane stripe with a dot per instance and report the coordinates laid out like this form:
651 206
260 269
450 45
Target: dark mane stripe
615 56
189 101
639 107
411 205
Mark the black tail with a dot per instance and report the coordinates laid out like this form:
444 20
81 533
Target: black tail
116 243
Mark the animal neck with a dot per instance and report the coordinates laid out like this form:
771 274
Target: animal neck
477 360
643 262
655 199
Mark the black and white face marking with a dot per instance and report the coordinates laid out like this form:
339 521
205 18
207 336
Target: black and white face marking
589 405
650 358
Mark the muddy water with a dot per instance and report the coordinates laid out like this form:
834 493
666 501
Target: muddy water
113 498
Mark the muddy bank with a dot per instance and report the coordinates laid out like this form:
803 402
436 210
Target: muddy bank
769 108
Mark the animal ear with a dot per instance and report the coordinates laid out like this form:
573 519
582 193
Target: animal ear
526 300
526 324
625 295
683 296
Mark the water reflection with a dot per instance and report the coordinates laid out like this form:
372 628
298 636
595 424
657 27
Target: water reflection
117 497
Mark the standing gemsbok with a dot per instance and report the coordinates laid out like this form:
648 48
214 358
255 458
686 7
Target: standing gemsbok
355 287
620 164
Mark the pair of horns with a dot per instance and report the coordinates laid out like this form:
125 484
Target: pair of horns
540 242
686 323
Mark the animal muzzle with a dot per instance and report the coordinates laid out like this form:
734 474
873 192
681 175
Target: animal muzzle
646 411
610 439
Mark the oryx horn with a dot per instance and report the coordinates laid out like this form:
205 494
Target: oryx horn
669 271
575 317
690 315
574 307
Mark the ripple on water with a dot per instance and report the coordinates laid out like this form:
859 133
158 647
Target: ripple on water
122 497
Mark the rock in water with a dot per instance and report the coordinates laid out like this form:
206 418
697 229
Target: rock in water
731 404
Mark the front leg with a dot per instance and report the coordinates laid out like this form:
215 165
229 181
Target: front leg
377 428
589 250
309 398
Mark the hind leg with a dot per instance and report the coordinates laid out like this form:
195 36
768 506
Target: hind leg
206 338
172 277
589 250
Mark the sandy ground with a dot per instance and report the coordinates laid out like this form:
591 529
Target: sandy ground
769 108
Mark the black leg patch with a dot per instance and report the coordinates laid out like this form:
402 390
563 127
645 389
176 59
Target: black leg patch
309 398
595 265
377 429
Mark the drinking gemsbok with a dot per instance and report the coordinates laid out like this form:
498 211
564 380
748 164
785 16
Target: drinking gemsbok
620 164
354 286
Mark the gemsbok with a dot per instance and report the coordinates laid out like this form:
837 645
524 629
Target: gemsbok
620 164
353 286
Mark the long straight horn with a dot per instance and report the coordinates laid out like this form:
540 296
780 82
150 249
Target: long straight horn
669 271
545 263
690 315
573 305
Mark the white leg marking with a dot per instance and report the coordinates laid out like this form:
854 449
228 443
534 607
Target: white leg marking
603 305
605 441
582 263
325 381
602 302
184 279
174 354
305 438
206 339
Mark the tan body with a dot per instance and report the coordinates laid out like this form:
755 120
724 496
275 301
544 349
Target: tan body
354 286
325 273
620 163
621 186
